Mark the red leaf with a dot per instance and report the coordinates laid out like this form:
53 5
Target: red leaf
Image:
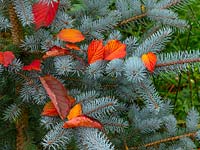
58 95
95 51
34 65
83 121
70 35
55 51
44 12
72 46
6 58
149 61
49 110
114 49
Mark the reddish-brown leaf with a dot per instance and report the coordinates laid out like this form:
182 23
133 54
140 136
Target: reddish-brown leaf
34 65
55 51
6 58
95 51
149 61
49 109
44 12
58 95
114 49
83 121
71 35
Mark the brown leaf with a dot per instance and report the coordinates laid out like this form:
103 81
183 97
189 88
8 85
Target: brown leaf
58 95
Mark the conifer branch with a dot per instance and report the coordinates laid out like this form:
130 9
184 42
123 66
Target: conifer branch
150 96
132 19
99 108
16 28
192 134
178 62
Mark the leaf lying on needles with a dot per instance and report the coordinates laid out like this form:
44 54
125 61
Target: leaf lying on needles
70 35
55 51
149 61
34 65
114 49
95 51
58 95
83 121
44 12
6 58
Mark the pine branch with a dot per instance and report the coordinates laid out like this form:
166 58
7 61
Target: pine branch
192 134
178 62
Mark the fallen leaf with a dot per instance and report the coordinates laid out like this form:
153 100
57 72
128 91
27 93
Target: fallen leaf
6 58
83 121
72 46
70 35
49 109
58 95
95 51
34 65
55 51
75 111
44 12
114 49
149 61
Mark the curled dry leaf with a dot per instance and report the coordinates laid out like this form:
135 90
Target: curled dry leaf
44 12
55 51
34 65
114 49
58 95
149 61
75 111
83 121
6 58
95 51
71 35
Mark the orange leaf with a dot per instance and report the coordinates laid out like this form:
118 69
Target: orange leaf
34 65
114 49
83 121
72 46
55 51
49 110
75 111
70 35
149 61
58 95
6 58
95 51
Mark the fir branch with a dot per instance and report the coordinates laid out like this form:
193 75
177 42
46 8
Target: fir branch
194 60
191 134
100 107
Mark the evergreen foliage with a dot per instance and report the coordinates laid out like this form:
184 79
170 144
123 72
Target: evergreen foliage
119 93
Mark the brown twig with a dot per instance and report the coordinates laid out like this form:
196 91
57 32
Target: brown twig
192 134
192 60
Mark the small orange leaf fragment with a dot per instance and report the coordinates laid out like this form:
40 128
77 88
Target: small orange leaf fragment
75 111
72 46
149 61
49 110
95 51
55 51
114 49
70 35
83 121
34 65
